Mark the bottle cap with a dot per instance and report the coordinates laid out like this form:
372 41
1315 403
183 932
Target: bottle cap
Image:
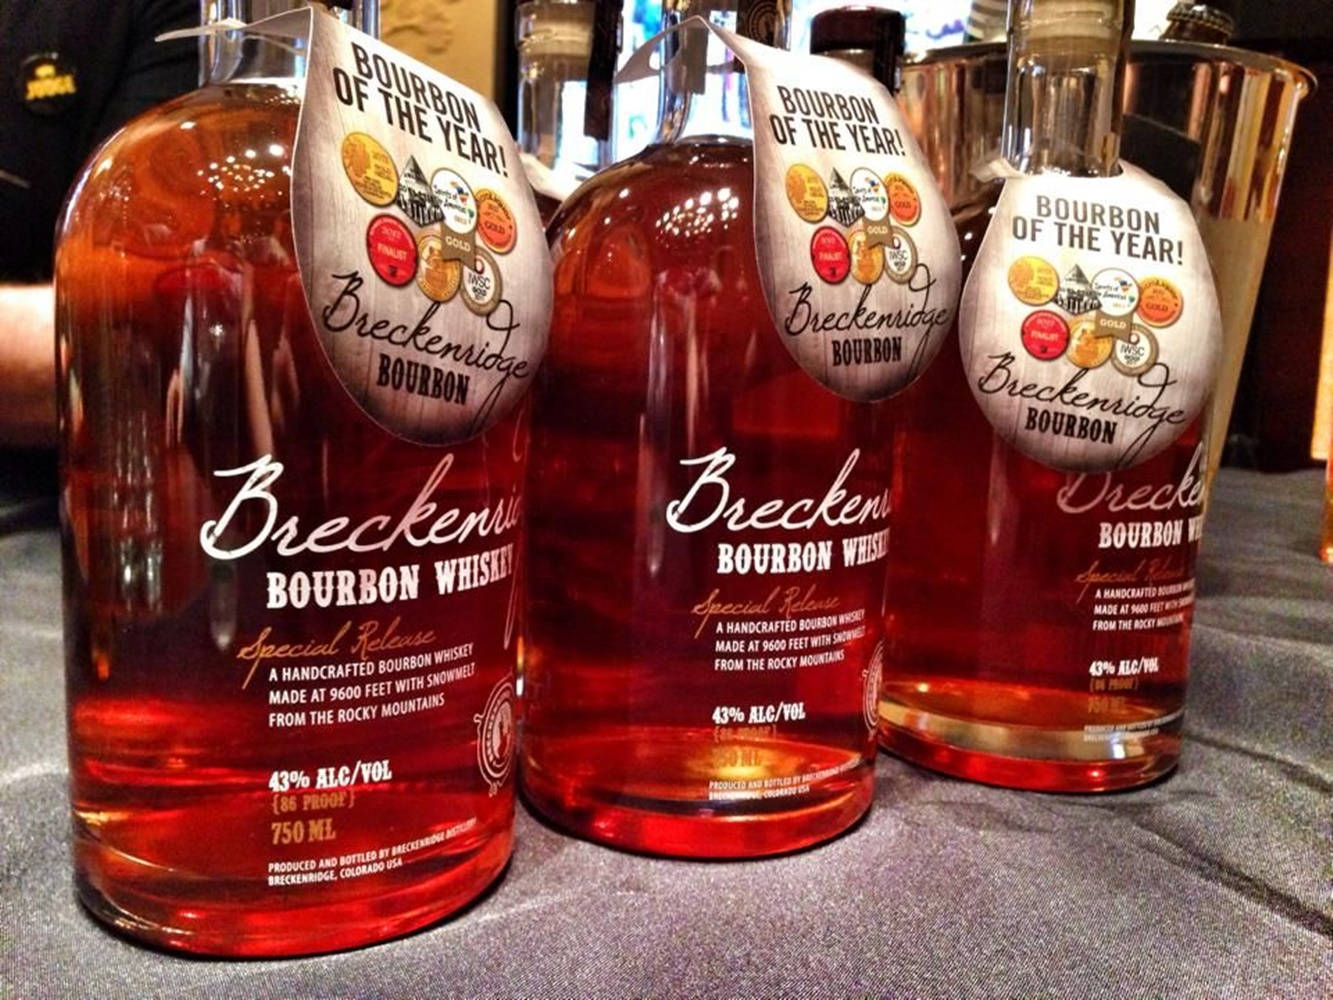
857 28
1216 15
877 30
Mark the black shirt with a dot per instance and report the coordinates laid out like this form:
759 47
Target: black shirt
71 73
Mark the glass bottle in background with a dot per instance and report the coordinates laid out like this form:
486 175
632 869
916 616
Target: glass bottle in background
1213 22
869 37
232 790
667 395
990 649
555 40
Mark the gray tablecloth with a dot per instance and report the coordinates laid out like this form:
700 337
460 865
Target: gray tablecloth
1212 884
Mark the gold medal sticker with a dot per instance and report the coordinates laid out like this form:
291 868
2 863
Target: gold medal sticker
1160 302
437 277
806 193
370 169
867 261
1086 349
1033 281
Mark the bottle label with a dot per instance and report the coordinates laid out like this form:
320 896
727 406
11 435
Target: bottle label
855 245
418 240
788 618
1089 327
1134 589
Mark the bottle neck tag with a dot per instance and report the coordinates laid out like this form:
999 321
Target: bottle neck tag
419 245
856 250
1089 326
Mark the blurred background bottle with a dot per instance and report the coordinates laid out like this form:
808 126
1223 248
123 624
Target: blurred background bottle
555 44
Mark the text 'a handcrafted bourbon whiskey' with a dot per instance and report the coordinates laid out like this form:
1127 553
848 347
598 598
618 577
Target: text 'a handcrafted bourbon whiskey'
292 339
710 487
1051 486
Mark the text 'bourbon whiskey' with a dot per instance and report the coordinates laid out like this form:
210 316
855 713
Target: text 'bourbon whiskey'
289 594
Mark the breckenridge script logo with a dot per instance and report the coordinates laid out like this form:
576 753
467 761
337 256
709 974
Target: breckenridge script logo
711 501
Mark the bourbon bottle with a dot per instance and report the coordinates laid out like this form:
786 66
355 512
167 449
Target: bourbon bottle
698 670
555 39
1037 625
288 733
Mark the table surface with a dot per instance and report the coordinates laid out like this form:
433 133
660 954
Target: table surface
1213 884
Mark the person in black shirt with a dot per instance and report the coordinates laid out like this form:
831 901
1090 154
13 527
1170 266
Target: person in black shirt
71 73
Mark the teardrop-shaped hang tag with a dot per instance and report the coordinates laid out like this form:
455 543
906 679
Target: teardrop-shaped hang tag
1089 327
856 249
417 238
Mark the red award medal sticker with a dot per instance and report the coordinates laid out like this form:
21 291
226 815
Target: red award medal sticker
1045 335
495 222
830 255
1160 302
871 193
481 284
391 249
904 202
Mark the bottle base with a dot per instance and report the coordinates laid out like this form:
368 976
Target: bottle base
150 908
1023 757
716 831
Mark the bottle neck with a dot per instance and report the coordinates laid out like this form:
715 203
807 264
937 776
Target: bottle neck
869 38
554 47
871 62
1066 83
235 55
704 92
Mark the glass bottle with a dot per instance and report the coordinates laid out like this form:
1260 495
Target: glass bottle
233 792
990 648
660 715
554 40
1213 22
869 37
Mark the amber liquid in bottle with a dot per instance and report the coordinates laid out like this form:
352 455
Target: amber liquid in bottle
221 804
642 729
993 671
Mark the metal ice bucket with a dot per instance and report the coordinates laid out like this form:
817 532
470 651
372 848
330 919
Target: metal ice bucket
1213 122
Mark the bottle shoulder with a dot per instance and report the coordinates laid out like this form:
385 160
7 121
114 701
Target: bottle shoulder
678 201
199 170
